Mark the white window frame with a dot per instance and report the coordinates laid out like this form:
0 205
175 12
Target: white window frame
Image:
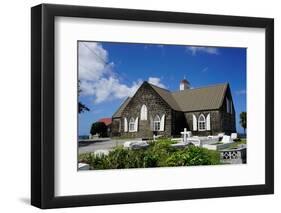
132 125
143 115
156 123
162 123
201 122
125 125
194 121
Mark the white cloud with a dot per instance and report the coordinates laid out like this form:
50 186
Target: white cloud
97 76
156 81
205 69
92 61
209 50
241 92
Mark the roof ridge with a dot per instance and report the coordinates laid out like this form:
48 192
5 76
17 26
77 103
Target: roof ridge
159 87
121 106
203 87
163 98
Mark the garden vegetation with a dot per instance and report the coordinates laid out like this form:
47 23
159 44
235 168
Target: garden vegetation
158 154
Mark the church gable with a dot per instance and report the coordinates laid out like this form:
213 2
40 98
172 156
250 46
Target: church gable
150 111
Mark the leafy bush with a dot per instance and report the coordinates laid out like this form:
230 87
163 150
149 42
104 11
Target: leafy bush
192 156
158 154
99 128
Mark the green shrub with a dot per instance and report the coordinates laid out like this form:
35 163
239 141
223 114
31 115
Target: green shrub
192 156
158 154
99 128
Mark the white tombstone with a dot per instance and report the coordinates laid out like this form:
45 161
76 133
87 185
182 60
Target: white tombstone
226 139
127 144
139 145
135 144
234 136
83 166
186 134
154 137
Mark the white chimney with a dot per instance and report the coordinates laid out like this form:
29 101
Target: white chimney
184 84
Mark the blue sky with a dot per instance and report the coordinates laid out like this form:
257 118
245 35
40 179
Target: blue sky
110 72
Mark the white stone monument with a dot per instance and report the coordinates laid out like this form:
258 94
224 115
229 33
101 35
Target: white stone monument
186 134
226 139
234 136
135 144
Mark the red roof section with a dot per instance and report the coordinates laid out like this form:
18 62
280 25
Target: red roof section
107 121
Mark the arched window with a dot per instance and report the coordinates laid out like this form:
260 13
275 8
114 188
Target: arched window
201 123
132 125
156 123
125 125
143 115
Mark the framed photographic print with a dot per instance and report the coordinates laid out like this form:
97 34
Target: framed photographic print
140 106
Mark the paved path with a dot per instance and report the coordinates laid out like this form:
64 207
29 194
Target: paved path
101 145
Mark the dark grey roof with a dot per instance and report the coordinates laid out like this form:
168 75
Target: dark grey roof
204 98
118 113
167 96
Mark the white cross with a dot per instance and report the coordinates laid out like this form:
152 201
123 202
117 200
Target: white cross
185 133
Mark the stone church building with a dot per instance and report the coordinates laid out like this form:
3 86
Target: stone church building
154 110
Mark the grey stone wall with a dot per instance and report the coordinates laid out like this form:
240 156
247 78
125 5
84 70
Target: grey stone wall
116 127
228 121
155 106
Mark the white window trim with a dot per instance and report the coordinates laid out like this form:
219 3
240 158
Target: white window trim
162 123
136 124
143 115
228 105
132 121
208 122
194 119
154 123
125 125
200 129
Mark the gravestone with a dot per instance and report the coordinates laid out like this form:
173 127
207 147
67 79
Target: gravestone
186 134
135 144
234 136
83 166
226 139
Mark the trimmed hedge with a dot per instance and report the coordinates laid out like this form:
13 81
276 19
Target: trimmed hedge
158 154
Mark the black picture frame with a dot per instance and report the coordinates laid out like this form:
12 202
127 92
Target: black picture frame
43 105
